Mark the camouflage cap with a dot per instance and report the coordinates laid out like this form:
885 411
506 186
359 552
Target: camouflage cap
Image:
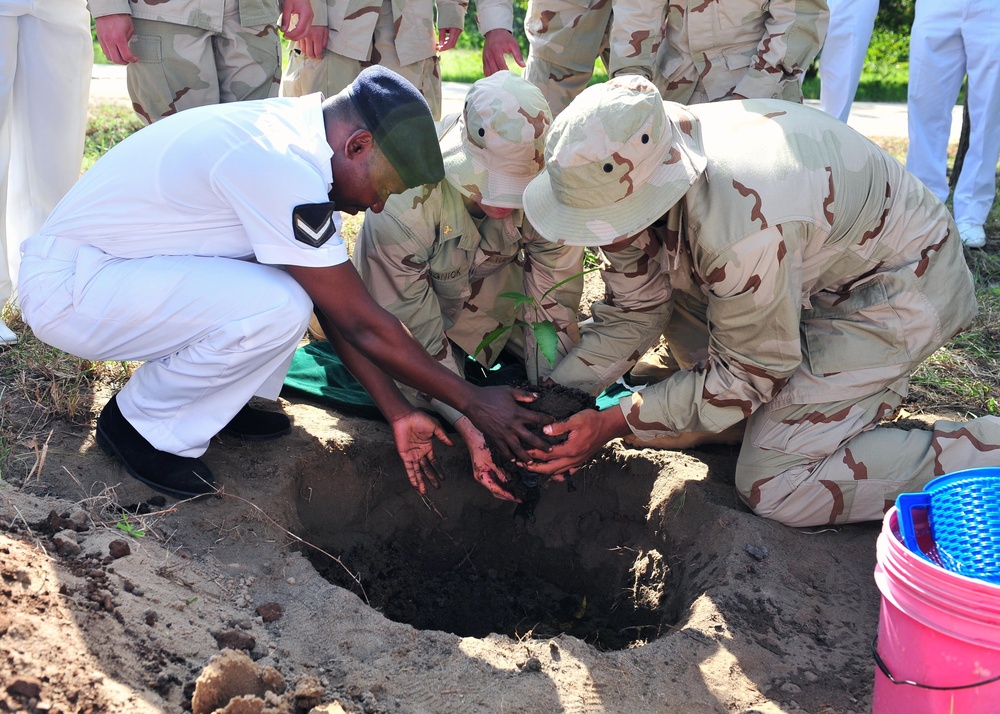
399 119
498 144
617 158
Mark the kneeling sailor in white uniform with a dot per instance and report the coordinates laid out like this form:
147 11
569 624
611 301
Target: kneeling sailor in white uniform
201 244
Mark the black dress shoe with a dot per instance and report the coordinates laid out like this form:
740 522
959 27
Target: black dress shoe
176 476
257 424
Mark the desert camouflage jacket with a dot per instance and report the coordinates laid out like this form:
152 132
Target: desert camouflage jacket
205 14
430 263
718 48
565 32
352 25
825 269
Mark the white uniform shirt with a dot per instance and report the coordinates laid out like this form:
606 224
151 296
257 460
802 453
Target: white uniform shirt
219 180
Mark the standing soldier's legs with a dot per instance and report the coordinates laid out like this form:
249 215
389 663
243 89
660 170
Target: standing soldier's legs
46 57
49 121
565 37
559 85
937 66
8 64
247 60
330 75
977 183
334 72
423 74
816 464
176 69
844 52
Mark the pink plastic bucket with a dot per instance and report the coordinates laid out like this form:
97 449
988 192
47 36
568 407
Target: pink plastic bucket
938 644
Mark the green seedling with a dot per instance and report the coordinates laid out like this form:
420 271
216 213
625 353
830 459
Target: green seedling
543 330
126 526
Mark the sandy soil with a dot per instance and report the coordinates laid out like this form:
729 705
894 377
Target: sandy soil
712 609
319 581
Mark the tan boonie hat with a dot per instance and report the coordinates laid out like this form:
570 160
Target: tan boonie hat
617 158
498 145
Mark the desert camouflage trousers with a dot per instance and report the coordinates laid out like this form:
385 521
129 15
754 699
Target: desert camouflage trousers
560 85
305 75
825 463
182 67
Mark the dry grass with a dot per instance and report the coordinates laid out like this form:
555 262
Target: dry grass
964 375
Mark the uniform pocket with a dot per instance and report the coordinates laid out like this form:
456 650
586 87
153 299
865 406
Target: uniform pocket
859 330
146 48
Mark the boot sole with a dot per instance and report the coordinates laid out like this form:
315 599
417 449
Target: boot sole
108 447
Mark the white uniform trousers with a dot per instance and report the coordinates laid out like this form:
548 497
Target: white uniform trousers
843 54
46 57
949 40
213 332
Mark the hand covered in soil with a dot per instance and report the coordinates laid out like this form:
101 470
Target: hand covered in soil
414 434
498 416
586 432
483 469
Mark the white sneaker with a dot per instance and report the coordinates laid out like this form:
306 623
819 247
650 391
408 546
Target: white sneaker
973 235
7 336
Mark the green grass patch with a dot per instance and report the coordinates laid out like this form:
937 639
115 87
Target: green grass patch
107 124
885 75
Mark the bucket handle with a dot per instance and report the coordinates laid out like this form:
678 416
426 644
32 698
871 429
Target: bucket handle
885 670
905 504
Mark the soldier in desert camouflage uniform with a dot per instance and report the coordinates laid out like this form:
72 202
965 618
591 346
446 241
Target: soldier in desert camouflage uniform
819 272
567 36
349 35
190 53
438 256
738 49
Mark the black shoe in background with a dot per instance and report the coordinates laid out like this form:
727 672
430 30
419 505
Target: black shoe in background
177 476
254 424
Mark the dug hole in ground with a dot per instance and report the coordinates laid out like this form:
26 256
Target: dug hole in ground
650 588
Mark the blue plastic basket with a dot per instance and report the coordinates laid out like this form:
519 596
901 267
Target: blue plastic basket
962 512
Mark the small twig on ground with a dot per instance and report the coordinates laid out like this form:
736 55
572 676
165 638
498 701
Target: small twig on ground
430 506
39 459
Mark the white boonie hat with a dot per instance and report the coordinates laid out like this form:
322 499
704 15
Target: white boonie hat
616 159
498 145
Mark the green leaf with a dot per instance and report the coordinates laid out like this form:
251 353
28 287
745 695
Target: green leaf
518 298
548 341
490 338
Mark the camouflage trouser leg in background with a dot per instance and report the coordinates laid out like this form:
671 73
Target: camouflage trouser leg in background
560 85
334 72
815 464
183 67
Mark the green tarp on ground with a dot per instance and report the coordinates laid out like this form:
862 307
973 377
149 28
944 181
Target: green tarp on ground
317 373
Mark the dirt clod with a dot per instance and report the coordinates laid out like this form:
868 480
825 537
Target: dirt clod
269 612
119 548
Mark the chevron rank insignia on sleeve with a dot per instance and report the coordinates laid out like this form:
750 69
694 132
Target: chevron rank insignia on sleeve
313 223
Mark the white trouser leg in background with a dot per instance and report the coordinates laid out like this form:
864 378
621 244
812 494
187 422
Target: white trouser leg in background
213 332
46 57
843 56
937 66
976 186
